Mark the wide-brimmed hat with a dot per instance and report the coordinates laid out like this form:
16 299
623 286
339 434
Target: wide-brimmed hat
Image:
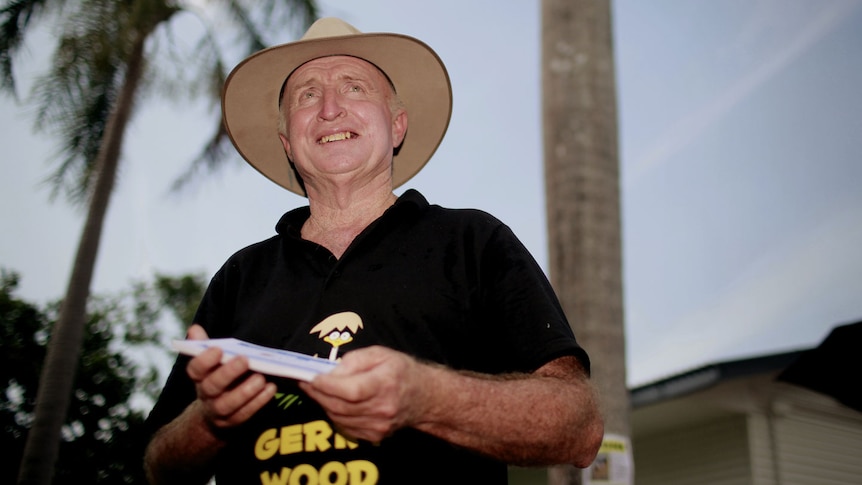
250 100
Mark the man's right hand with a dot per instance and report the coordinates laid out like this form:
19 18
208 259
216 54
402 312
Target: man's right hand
228 395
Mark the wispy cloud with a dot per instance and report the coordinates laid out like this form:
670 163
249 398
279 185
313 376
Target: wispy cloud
688 128
770 301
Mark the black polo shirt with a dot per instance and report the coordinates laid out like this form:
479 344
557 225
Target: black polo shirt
452 286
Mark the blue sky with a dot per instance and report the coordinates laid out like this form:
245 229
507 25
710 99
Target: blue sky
740 144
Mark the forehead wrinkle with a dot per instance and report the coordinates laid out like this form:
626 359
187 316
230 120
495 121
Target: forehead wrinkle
283 92
342 75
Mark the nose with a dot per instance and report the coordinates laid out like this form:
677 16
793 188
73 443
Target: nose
330 106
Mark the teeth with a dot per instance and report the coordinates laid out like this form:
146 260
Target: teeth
335 137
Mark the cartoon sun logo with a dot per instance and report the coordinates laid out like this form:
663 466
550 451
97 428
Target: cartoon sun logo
337 330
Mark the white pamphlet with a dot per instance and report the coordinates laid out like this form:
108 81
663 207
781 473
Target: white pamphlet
266 360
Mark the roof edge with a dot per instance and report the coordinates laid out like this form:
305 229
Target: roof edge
709 376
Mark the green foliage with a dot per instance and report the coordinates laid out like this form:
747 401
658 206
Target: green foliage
181 295
103 436
93 49
106 61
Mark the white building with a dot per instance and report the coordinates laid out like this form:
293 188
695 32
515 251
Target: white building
790 418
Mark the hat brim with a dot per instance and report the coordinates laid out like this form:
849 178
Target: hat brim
251 95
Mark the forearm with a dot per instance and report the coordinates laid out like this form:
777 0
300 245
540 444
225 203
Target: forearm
538 419
183 451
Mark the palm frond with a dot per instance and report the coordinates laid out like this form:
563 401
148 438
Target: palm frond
258 20
214 156
15 18
75 97
183 70
254 20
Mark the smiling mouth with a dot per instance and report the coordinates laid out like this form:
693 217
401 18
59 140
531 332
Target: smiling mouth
345 135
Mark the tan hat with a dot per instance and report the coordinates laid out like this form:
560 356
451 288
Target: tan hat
251 95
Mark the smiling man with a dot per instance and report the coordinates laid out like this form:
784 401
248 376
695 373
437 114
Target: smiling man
459 359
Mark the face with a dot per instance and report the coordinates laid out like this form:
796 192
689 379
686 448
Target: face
340 124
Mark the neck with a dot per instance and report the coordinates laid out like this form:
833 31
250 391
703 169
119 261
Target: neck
336 220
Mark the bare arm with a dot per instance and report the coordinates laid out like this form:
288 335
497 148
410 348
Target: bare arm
547 417
185 450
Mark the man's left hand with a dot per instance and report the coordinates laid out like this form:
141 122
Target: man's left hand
373 392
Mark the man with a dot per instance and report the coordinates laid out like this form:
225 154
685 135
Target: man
454 355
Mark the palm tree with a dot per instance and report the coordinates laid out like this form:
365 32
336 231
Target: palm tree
582 191
100 70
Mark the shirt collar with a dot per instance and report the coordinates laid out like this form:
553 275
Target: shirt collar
291 222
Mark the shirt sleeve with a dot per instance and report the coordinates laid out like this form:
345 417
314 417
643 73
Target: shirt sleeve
525 322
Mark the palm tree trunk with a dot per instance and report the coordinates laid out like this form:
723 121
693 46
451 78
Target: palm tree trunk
582 191
58 372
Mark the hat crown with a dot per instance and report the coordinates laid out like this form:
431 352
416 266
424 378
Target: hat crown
329 27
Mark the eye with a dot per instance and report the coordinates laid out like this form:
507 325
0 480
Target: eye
334 335
345 336
304 96
355 88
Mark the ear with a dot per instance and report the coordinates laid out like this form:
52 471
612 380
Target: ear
399 128
286 144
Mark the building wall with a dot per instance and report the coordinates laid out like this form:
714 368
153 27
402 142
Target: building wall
772 434
528 476
762 449
710 453
817 441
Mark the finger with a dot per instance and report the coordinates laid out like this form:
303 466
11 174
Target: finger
357 376
204 363
360 360
353 388
196 332
257 402
223 377
361 427
240 404
230 404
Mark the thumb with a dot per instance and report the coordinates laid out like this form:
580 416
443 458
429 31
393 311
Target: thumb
363 360
196 332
